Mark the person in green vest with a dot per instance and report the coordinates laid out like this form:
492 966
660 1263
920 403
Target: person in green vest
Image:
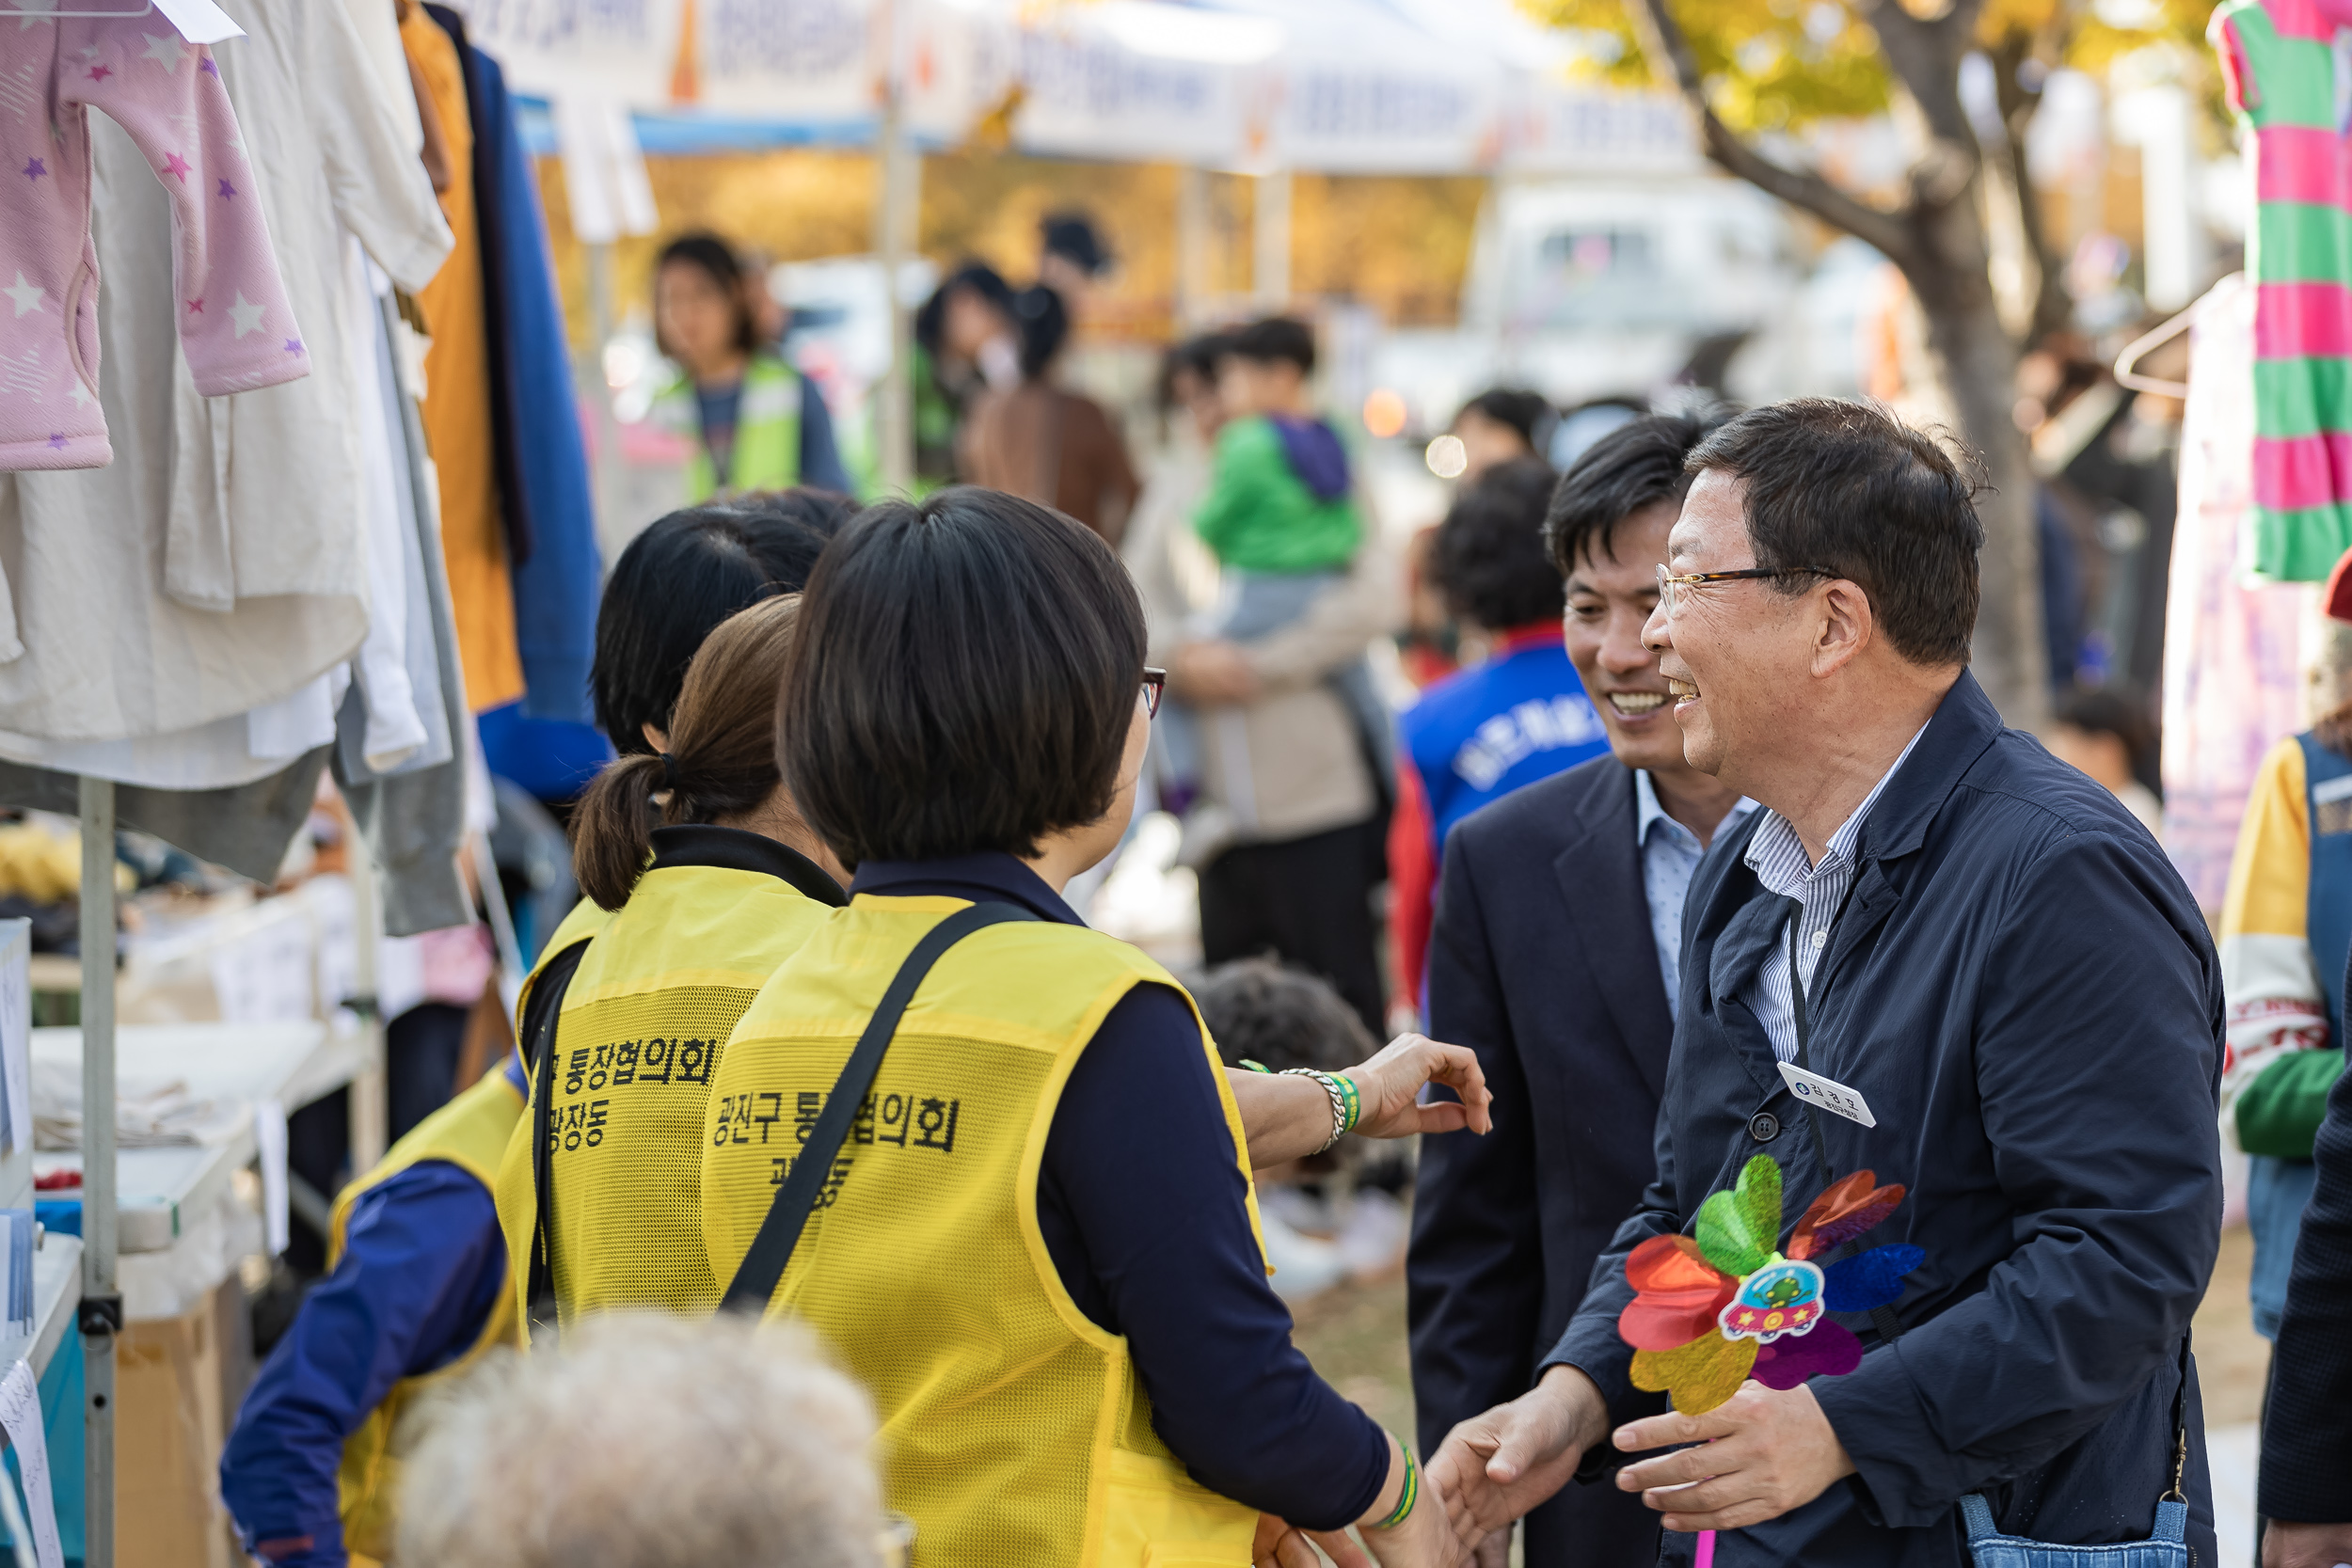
754 421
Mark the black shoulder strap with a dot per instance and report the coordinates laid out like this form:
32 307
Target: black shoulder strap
539 1019
763 1266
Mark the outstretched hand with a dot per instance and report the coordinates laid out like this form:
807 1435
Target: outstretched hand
1496 1466
1390 1084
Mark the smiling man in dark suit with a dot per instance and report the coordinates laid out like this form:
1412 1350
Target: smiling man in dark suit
1554 957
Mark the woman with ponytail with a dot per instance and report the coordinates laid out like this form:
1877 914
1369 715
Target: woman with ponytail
712 880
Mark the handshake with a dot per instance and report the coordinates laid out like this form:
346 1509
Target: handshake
1764 1452
1491 1469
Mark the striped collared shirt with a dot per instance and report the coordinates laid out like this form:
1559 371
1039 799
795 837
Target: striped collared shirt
1777 857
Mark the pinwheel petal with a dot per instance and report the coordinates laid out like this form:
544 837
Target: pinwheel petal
1667 1264
1844 1210
1738 1229
1829 1351
1667 1321
1874 1278
1701 1374
1759 1198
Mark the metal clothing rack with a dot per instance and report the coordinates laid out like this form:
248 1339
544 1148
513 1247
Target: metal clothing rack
101 1312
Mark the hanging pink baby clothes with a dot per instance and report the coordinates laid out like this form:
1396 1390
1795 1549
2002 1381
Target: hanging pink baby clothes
235 328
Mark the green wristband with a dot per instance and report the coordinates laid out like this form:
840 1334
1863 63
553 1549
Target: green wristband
1355 1100
1410 1495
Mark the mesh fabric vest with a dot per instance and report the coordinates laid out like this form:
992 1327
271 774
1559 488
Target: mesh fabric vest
642 1029
1015 1432
470 1133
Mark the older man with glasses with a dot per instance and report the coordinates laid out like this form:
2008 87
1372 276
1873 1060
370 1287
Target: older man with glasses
1989 970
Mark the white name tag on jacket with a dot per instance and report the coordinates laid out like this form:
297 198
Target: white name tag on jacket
1828 1093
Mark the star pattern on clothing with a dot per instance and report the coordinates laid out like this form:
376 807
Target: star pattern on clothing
195 307
35 169
177 167
247 314
228 191
210 68
34 13
293 345
166 52
56 440
26 296
80 394
100 72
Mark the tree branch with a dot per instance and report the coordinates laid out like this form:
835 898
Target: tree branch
1663 39
1925 57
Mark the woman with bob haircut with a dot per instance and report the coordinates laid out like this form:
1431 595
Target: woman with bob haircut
1033 1236
600 1191
756 423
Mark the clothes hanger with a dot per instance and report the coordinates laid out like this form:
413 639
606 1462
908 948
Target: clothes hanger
2126 372
36 12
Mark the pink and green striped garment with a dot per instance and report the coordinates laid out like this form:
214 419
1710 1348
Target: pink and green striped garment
2280 65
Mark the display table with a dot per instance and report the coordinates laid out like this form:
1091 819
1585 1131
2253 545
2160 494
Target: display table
159 1188
56 1289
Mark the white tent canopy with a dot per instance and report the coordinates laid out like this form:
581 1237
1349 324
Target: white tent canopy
1420 86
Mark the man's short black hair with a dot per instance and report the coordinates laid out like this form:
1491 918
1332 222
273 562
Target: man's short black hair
1488 559
1846 487
2104 711
963 678
1072 236
1276 337
679 579
1195 356
1280 1019
1637 465
1529 413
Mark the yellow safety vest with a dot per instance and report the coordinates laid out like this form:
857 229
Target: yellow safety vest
641 1030
767 452
470 1133
1014 1428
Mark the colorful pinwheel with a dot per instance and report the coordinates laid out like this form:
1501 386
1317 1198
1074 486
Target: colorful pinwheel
1711 1310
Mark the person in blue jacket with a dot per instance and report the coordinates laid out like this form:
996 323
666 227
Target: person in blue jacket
1481 733
422 1263
2021 1003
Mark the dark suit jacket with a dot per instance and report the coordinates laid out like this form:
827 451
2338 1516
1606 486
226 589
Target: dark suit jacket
1542 962
2026 998
2307 1428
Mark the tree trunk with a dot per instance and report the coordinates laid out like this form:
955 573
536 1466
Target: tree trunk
1979 367
1938 240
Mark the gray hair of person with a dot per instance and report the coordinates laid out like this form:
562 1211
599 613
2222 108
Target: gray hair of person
1843 489
1258 1011
648 1441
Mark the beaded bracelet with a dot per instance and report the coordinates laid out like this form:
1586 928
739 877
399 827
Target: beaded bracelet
1347 1102
1408 1496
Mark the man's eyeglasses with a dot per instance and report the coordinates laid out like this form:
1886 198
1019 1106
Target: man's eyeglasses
1668 582
1154 684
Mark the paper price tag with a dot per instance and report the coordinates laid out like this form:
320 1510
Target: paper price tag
1828 1093
20 1417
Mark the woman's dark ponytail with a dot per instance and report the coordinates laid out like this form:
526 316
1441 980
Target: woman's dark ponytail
720 762
612 828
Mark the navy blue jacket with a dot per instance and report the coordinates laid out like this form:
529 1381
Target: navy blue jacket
1542 961
544 492
2026 996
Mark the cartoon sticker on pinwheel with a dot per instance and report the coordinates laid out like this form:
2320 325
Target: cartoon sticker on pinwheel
1714 1309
